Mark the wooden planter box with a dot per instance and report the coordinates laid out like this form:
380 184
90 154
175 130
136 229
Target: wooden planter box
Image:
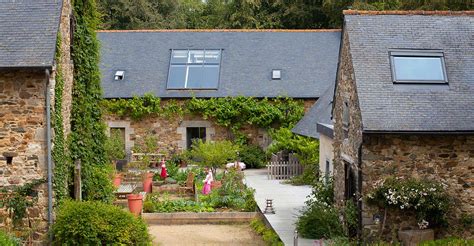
198 218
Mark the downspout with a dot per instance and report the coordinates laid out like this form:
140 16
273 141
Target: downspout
48 144
359 194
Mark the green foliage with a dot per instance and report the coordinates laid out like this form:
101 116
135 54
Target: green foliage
427 199
62 164
87 129
140 107
253 156
115 146
305 149
268 235
20 198
8 240
448 242
302 14
232 112
213 154
233 194
320 211
156 204
97 223
351 216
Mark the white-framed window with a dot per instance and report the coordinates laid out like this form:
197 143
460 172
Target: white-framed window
194 69
418 67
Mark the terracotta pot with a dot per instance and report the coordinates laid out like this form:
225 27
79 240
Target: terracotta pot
135 203
147 182
216 184
117 180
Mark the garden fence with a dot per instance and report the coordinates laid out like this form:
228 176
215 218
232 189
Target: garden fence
279 168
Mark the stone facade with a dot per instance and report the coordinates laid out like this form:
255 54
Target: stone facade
171 131
448 159
23 144
23 135
372 157
347 136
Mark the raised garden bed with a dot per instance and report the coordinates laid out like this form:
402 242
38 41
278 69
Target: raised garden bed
180 218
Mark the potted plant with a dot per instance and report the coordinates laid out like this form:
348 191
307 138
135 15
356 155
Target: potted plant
135 203
115 151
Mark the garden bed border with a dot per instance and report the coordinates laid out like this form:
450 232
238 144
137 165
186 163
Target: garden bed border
180 218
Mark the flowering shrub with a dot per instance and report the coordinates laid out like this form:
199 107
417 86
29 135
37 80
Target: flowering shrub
427 199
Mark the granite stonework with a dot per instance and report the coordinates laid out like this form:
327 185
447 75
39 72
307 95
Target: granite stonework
448 159
347 137
171 131
23 135
23 145
445 158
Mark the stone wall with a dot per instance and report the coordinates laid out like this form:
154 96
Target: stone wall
22 134
445 158
171 132
66 64
347 139
23 126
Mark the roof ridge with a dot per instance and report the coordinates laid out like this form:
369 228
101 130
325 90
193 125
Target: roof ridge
224 30
409 12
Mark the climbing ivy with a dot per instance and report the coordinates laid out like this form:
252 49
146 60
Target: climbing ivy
140 107
231 112
88 130
59 151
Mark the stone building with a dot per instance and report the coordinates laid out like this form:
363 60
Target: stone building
404 107
28 66
181 64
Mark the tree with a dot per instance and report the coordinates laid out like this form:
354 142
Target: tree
214 154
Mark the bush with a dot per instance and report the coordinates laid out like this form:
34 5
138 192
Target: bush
115 146
253 156
153 204
96 223
214 154
426 198
233 194
448 242
320 219
268 235
7 240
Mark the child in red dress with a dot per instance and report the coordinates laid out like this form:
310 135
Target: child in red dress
164 173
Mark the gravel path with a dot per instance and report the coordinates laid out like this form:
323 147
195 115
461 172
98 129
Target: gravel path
240 234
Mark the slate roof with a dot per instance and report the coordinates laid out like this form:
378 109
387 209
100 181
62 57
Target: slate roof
308 59
28 31
406 108
320 112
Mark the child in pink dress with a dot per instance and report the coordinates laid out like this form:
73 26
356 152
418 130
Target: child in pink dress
164 173
206 189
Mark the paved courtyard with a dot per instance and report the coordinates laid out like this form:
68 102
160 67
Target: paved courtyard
287 201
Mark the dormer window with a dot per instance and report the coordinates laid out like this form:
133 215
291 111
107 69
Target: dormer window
194 69
119 75
418 66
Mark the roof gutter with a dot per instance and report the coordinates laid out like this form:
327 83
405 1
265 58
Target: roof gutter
420 132
48 144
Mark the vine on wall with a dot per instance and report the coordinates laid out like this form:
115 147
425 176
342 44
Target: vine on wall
231 112
59 151
88 131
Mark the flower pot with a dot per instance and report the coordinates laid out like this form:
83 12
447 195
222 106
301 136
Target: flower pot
147 182
135 203
117 180
216 184
414 237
